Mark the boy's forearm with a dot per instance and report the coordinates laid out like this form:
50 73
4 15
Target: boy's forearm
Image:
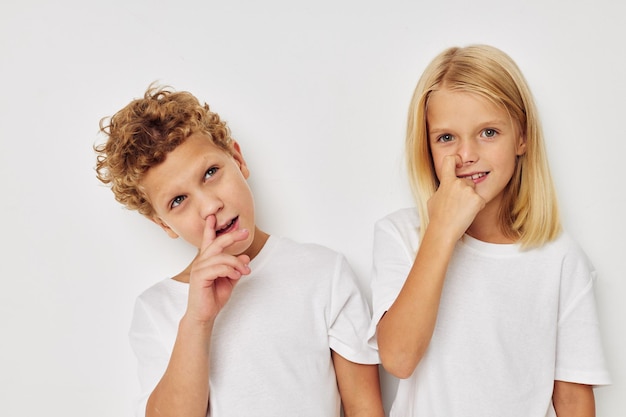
184 388
359 387
573 400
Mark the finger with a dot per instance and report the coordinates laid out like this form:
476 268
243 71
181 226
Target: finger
224 271
208 269
228 239
244 258
209 232
448 168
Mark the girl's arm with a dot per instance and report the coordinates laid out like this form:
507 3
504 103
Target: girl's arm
359 387
404 332
573 400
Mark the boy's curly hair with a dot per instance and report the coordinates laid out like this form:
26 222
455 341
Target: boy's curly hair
142 134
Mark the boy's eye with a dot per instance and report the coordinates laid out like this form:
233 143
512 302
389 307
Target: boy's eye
210 172
489 133
445 138
177 201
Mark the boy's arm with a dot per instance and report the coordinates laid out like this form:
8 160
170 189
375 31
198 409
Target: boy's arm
405 330
359 387
573 400
184 388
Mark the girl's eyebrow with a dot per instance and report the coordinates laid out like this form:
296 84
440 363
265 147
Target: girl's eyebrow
491 122
495 122
438 130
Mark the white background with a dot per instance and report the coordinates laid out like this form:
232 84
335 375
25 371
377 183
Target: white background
317 94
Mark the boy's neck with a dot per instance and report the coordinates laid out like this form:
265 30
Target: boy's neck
260 238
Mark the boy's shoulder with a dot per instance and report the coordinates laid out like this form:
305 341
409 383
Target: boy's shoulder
279 247
165 294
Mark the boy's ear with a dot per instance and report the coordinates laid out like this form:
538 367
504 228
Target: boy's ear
165 227
238 156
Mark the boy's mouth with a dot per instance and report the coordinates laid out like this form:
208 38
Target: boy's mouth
228 228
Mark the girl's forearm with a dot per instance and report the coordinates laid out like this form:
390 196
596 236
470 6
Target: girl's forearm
404 332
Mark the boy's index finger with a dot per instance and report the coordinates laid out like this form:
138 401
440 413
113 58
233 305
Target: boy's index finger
209 232
448 171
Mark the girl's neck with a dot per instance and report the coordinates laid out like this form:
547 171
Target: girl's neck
486 227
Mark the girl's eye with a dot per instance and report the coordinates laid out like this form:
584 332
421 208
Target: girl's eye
210 172
489 133
177 201
445 138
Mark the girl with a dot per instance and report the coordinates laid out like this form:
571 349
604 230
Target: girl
482 305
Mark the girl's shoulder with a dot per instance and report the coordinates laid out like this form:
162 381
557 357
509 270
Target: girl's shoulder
401 227
402 219
568 253
565 245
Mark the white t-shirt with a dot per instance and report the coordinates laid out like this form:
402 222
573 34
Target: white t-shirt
270 353
510 322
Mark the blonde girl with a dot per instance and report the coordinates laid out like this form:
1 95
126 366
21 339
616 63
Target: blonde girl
483 306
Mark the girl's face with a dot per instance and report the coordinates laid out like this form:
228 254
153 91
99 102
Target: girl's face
482 135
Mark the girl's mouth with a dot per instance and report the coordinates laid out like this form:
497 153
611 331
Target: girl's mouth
228 228
476 176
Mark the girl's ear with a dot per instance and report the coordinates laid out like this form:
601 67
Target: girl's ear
165 227
521 145
238 157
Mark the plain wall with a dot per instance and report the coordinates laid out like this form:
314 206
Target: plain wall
317 94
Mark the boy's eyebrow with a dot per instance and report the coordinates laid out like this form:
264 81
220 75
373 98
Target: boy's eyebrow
164 193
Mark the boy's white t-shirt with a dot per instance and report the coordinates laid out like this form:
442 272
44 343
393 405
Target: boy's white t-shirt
510 323
270 352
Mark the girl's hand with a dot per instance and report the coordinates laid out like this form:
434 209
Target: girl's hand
214 273
455 204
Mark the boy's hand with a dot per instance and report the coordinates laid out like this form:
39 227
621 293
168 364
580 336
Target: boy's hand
214 273
455 204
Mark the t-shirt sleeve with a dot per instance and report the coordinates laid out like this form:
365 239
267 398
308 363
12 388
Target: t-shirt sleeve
579 356
393 253
349 317
152 356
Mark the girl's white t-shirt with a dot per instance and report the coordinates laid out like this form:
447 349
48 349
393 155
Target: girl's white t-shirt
510 323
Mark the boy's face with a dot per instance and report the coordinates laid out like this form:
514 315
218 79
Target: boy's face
197 180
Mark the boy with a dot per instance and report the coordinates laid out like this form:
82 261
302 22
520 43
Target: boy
289 340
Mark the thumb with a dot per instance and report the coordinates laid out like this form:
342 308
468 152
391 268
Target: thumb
448 168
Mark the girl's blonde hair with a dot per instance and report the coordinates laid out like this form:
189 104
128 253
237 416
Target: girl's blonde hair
529 212
144 132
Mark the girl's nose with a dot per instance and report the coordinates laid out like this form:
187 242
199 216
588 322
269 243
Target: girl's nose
468 151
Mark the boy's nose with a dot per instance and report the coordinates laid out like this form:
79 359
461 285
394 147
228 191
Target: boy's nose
209 205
